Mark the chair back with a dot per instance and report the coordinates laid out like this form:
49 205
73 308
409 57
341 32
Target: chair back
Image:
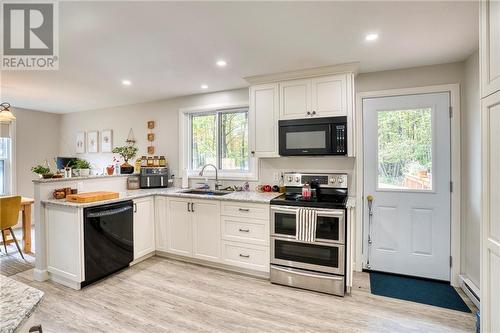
9 211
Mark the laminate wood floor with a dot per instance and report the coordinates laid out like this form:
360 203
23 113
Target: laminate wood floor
163 295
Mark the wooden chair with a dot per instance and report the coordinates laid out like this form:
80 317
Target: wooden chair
9 213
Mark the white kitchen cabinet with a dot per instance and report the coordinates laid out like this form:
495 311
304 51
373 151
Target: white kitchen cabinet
144 227
490 219
489 48
246 256
329 96
295 99
180 232
324 96
205 216
161 215
264 110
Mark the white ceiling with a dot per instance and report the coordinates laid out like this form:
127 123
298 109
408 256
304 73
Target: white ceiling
168 49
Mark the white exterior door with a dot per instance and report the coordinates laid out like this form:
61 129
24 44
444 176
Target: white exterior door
407 171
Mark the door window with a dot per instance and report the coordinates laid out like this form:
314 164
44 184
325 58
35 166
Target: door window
405 150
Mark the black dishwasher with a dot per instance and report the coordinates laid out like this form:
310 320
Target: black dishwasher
108 239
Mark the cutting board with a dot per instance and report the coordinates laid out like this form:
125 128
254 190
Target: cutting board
91 196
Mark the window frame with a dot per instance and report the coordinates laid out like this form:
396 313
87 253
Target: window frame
185 143
7 168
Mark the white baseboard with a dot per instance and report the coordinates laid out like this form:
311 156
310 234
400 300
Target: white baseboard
470 289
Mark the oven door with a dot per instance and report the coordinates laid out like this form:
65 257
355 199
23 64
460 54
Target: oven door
295 140
330 224
320 257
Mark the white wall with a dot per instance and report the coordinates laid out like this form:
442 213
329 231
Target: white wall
36 140
471 171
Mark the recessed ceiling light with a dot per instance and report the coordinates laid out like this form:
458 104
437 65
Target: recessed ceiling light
221 63
371 37
126 82
204 86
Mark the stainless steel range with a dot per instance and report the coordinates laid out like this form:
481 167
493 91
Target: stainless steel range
319 264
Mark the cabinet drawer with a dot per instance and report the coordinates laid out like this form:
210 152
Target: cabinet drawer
246 230
247 256
241 209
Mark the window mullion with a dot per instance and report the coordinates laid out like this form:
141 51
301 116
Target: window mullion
219 141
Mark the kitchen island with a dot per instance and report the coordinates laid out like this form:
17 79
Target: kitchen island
229 231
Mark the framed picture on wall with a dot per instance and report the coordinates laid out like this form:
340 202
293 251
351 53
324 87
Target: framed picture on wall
106 141
80 142
92 141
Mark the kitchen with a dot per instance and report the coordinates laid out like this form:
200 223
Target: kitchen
217 222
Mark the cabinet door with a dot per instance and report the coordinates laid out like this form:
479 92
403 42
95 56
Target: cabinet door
295 99
180 237
144 227
490 224
329 96
206 229
490 47
264 109
161 214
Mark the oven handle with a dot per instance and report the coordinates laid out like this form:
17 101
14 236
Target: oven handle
322 212
295 271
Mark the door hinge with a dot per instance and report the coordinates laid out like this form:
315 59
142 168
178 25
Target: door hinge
451 111
451 186
451 261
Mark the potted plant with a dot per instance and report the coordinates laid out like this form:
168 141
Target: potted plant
42 171
81 168
127 153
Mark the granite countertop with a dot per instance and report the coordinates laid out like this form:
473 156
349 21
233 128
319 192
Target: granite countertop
53 180
17 302
251 197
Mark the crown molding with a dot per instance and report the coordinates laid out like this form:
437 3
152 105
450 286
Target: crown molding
352 67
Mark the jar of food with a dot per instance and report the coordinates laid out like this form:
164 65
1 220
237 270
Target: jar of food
144 161
156 161
163 161
150 162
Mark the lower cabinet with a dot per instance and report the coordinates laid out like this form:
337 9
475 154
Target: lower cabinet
193 228
144 227
206 229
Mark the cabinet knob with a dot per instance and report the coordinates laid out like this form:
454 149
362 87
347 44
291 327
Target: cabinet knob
308 113
314 112
253 152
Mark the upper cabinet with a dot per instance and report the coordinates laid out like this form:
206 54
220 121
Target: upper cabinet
317 96
324 96
490 47
295 99
264 104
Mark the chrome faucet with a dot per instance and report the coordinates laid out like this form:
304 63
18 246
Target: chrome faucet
217 185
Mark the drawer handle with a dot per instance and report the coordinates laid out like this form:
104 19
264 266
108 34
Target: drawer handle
244 255
243 209
244 230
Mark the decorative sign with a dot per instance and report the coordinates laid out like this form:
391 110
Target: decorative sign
151 150
92 141
151 124
80 142
106 141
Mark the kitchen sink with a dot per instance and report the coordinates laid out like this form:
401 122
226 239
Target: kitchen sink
205 192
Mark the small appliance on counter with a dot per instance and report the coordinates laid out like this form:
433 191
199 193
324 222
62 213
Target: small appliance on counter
153 177
133 182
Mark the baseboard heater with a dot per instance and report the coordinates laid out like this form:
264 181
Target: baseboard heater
470 289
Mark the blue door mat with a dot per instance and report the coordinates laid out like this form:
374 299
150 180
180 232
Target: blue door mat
418 290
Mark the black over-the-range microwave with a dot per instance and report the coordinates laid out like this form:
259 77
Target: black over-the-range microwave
313 136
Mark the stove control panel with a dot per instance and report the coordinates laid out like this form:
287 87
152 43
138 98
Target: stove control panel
333 180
